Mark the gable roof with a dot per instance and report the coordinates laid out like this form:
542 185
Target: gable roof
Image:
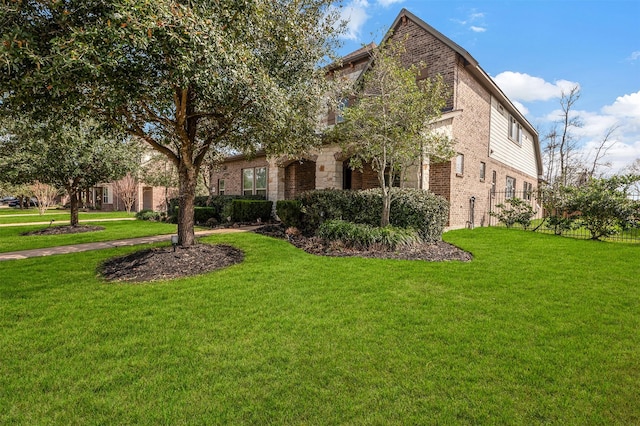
474 68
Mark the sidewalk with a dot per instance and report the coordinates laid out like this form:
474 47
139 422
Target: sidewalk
63 222
111 244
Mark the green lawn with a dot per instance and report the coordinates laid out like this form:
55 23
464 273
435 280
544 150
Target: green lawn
31 215
11 238
536 329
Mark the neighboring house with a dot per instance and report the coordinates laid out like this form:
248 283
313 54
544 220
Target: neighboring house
147 197
104 198
498 149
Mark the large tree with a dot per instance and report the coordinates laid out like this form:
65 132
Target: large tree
184 76
390 125
74 156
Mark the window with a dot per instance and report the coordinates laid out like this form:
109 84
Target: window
510 190
106 199
493 183
254 181
459 164
483 170
527 190
515 131
341 106
220 186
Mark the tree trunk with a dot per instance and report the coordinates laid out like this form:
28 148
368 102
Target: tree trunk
386 207
187 176
74 206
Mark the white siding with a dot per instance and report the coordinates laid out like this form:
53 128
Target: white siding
503 149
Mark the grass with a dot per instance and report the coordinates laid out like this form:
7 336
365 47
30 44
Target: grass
32 215
537 329
11 238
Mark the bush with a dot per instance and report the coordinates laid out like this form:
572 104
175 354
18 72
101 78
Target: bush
251 210
221 205
411 208
320 205
148 215
514 211
201 215
363 236
602 205
289 212
421 210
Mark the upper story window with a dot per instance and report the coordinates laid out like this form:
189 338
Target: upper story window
483 170
339 112
459 164
254 181
515 130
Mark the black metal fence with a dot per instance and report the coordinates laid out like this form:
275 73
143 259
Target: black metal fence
542 221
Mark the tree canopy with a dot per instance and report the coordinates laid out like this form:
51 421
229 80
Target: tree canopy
390 124
75 156
185 76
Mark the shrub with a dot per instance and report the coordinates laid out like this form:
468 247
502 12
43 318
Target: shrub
602 205
221 205
289 212
421 210
364 236
148 215
201 215
514 211
411 208
320 205
251 210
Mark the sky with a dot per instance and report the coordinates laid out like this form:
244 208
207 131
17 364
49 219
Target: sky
535 50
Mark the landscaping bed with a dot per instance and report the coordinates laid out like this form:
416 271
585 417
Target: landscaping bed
434 252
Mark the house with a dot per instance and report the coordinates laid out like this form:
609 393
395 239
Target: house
498 150
109 196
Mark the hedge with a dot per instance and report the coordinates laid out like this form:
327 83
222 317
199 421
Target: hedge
411 208
289 212
251 210
221 204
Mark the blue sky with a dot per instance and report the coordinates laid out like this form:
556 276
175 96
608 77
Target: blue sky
534 50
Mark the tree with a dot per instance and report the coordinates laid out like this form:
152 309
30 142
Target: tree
185 77
603 206
561 144
126 189
390 126
45 194
69 156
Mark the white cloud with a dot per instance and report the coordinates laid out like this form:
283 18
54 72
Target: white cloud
524 87
624 116
477 29
355 16
625 106
474 21
634 56
523 109
387 3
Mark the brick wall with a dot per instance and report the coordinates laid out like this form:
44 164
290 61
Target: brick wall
421 46
299 177
231 172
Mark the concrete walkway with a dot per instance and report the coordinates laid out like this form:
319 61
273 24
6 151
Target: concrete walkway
23 254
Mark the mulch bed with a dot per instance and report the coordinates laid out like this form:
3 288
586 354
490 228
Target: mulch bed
434 252
64 229
163 263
